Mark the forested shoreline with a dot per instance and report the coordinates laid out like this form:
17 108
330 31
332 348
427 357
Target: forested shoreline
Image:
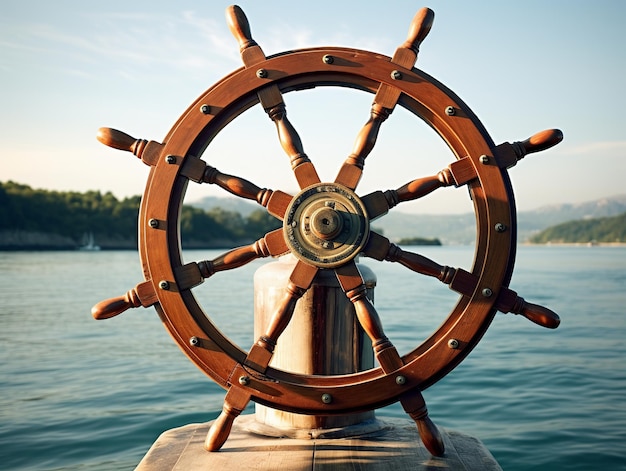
606 230
35 219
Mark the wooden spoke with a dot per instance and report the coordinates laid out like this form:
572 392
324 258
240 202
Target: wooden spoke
379 247
413 404
352 169
271 99
147 151
275 201
141 295
353 285
272 244
461 281
507 155
237 186
385 100
299 281
194 273
509 301
305 172
235 402
457 173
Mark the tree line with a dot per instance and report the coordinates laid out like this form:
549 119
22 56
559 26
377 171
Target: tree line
600 230
73 214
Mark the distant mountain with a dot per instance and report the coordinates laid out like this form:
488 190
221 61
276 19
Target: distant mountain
454 229
546 216
238 205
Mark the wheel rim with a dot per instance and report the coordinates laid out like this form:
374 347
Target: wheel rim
424 97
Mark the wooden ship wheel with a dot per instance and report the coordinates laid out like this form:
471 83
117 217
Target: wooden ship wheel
325 226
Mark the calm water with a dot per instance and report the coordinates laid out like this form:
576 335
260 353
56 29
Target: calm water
80 394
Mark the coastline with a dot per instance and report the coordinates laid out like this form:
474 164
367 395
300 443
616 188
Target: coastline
17 240
576 244
21 240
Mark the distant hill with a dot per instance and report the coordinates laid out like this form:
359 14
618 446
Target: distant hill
454 229
598 230
237 205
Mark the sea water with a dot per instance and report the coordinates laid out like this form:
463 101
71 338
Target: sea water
76 393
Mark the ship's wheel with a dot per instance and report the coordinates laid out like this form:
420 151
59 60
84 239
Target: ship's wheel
325 226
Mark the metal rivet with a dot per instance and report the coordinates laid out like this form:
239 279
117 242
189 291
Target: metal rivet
244 380
487 292
450 111
329 204
154 223
328 59
327 398
205 109
194 341
261 73
170 159
328 245
453 344
396 75
484 159
400 380
500 227
163 284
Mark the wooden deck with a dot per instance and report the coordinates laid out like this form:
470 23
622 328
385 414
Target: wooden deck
392 445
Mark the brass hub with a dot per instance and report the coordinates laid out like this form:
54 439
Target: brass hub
326 225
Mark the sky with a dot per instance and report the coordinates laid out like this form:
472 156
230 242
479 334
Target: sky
68 68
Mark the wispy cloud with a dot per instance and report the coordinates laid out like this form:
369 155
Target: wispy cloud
601 147
123 41
136 43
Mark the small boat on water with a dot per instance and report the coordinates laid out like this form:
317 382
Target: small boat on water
89 245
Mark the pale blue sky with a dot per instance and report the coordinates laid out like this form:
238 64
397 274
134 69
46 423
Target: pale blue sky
70 67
